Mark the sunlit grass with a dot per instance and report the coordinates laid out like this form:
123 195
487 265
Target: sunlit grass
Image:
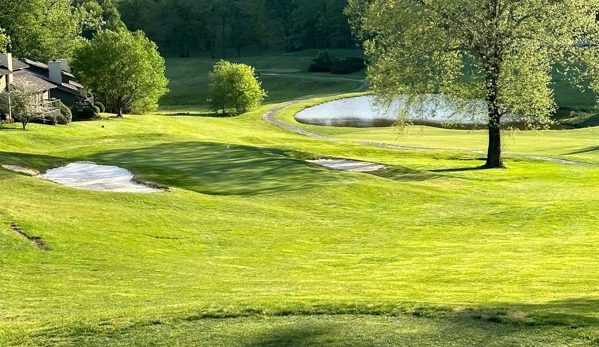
255 230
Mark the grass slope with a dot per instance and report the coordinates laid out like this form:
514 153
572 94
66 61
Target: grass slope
255 230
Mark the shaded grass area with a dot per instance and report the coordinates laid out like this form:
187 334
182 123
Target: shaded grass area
336 331
266 241
212 168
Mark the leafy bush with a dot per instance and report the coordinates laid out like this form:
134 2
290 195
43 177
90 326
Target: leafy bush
75 113
323 62
62 120
96 111
100 106
234 87
66 116
87 113
348 65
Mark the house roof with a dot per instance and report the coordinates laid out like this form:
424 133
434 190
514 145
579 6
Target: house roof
4 72
44 66
16 65
39 84
71 87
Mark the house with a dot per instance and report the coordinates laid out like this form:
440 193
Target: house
52 81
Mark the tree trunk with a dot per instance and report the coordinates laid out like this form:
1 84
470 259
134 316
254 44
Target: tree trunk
494 159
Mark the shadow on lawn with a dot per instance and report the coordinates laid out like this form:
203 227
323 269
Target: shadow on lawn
304 335
461 169
32 161
585 150
211 168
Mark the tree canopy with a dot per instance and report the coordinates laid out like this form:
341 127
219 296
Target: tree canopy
184 26
501 51
123 69
4 39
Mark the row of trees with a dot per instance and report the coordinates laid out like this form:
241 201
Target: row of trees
182 27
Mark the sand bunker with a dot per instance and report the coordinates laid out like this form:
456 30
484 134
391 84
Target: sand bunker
90 176
347 165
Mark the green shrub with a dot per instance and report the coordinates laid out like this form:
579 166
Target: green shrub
348 65
66 114
234 87
75 113
323 62
87 113
96 111
62 120
100 106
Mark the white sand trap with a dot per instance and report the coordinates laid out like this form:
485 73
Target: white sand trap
347 165
90 176
20 169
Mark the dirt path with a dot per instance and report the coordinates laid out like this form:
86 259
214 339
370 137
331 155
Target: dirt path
270 117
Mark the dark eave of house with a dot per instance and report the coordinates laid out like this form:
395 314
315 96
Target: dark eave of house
41 85
4 72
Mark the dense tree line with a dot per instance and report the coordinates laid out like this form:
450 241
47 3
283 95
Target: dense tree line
47 29
182 27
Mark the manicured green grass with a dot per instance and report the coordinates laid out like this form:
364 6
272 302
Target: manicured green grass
183 69
254 246
279 88
254 231
189 78
336 331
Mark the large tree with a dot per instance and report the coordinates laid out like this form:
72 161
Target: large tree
123 68
41 29
499 51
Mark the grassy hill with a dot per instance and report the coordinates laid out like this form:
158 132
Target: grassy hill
253 246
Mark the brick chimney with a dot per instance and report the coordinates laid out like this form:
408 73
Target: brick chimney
55 71
6 60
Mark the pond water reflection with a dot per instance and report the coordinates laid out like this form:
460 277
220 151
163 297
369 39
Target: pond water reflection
432 110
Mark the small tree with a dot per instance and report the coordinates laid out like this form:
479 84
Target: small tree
124 68
22 100
234 87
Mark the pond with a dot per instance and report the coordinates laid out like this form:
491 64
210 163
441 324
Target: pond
434 110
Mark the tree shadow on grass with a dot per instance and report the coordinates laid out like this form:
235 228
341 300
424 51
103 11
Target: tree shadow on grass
461 169
585 150
212 168
304 335
32 161
404 174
